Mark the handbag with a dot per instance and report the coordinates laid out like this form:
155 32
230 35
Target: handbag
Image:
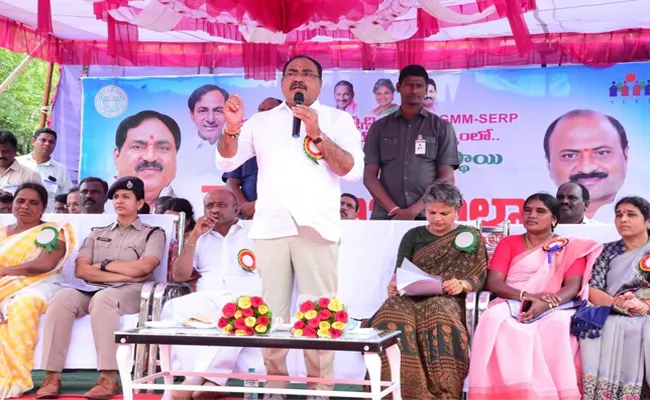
588 320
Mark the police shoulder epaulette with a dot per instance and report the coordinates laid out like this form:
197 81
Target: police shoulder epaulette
153 229
101 227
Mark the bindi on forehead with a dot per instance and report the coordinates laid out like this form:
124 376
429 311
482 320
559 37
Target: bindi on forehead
151 137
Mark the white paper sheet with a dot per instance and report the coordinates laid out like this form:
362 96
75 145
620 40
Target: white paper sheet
89 288
412 281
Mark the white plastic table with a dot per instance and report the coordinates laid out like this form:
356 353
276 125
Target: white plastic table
370 345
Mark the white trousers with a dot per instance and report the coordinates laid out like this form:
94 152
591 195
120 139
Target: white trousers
204 358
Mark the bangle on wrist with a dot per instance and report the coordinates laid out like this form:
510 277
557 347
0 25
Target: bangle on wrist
234 132
463 284
521 295
393 209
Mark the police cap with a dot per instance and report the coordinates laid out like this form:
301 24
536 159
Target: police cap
131 183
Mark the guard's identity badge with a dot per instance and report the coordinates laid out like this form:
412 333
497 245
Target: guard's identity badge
420 145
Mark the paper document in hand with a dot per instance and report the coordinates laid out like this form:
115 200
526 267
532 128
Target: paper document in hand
87 287
412 281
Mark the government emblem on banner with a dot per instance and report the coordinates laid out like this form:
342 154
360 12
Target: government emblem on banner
111 101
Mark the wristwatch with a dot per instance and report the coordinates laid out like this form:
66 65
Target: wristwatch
104 264
320 138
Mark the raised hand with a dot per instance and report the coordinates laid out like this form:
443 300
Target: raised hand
203 225
233 110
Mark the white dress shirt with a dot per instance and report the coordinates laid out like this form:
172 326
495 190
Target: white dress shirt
291 188
587 221
216 258
50 168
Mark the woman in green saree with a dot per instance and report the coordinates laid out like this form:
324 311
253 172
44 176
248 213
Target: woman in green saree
434 341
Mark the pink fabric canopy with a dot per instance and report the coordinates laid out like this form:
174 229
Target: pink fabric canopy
259 35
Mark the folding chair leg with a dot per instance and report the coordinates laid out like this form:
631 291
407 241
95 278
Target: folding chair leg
146 300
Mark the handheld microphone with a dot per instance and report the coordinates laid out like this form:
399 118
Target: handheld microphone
298 98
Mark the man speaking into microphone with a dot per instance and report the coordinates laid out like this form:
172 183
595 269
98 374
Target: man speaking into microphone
296 227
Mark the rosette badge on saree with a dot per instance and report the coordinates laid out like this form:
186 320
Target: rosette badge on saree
23 299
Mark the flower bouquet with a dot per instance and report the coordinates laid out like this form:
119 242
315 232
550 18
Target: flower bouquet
324 317
246 316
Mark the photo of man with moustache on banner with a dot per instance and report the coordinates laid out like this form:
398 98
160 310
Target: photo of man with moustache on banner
591 148
501 119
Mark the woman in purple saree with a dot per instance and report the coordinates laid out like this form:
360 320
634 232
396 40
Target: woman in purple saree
616 364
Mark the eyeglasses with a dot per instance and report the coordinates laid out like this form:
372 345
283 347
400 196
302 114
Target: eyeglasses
302 74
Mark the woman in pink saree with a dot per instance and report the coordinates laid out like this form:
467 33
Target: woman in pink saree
523 348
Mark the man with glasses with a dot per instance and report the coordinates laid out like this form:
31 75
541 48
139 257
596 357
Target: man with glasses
297 221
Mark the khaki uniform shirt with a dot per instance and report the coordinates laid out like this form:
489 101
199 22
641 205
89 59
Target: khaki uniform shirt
123 244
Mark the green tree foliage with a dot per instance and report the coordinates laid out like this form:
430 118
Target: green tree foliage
20 104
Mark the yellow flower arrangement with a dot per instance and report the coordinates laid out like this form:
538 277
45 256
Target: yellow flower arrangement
244 302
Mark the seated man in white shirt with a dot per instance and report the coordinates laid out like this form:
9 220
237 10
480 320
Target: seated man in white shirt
574 200
212 250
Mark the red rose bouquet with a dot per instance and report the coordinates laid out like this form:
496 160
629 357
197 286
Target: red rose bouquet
324 318
247 316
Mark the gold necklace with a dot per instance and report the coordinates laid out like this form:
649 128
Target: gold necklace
530 246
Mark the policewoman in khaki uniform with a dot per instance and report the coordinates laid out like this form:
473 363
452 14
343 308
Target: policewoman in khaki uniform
120 256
